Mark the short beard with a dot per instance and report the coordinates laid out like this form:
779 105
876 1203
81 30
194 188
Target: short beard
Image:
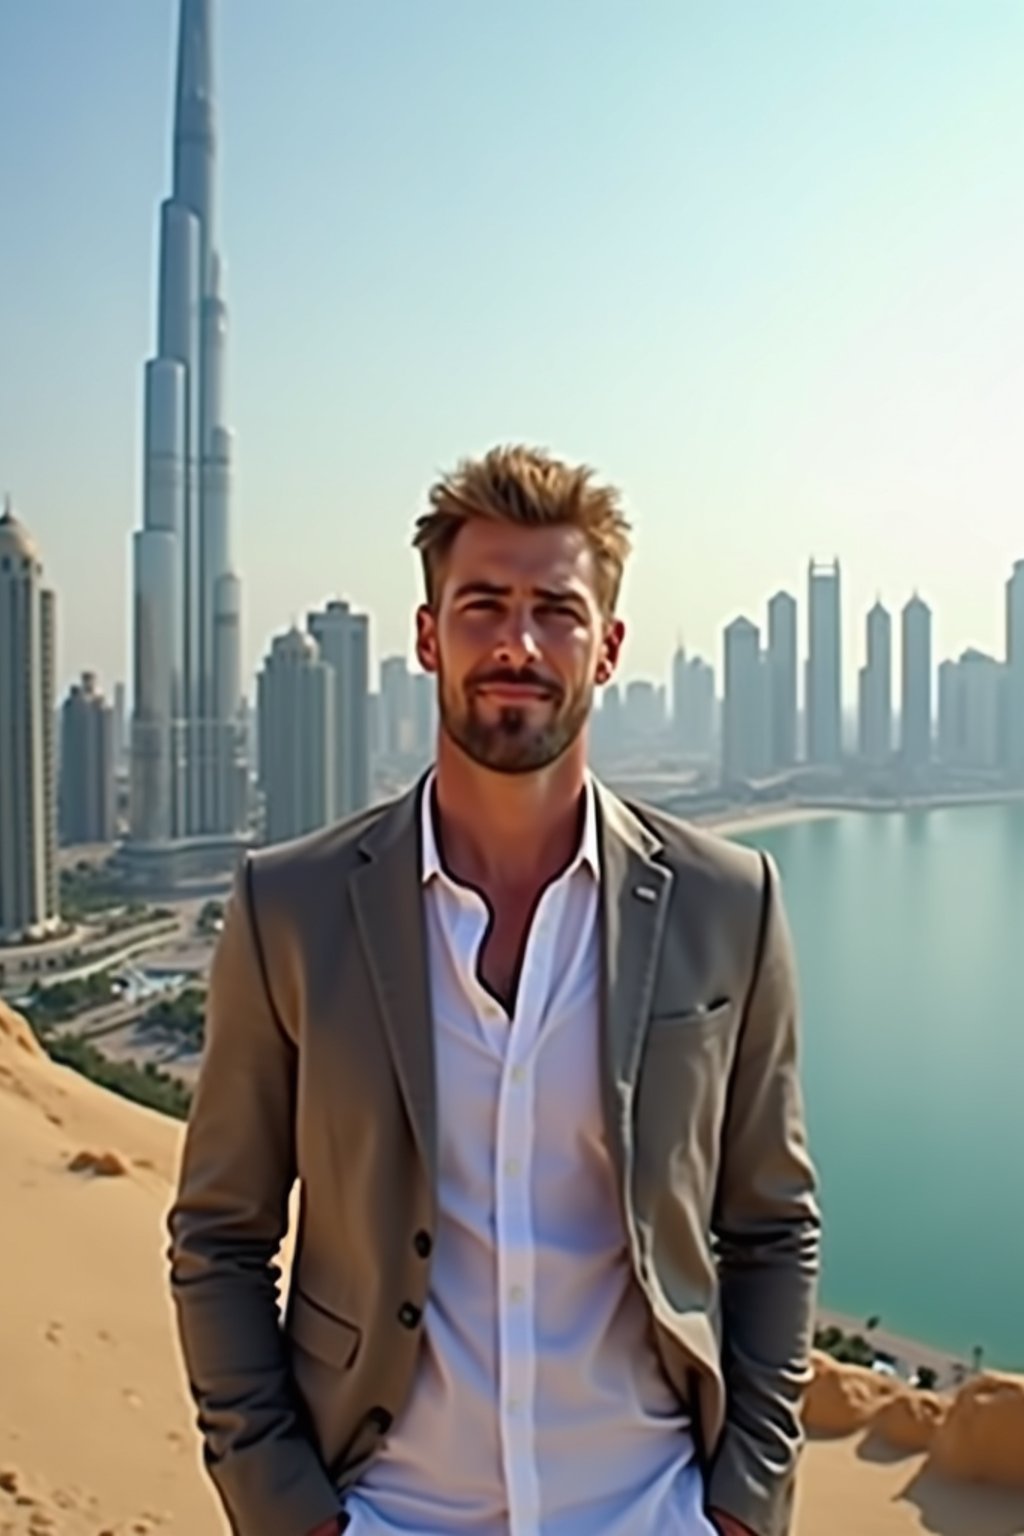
510 744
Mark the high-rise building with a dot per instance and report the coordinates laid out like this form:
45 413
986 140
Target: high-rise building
29 892
643 708
824 691
185 734
699 708
1015 673
916 703
86 806
679 678
120 728
295 701
782 679
396 707
605 734
874 715
950 711
745 711
970 711
344 641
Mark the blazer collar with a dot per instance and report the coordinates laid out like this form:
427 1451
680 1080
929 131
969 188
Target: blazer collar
387 892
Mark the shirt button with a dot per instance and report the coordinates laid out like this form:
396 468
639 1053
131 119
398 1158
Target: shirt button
516 1293
512 1167
518 1075
513 1405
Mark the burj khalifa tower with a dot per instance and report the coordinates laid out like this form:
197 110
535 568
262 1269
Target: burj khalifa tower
187 688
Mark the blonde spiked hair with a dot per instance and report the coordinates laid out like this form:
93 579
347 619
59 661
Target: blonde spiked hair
528 486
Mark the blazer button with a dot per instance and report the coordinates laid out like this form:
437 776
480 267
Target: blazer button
380 1419
423 1244
409 1315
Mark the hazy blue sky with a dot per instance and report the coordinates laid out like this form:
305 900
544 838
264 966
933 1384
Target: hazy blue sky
761 263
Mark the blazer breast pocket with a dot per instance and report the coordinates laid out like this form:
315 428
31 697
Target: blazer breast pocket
710 1015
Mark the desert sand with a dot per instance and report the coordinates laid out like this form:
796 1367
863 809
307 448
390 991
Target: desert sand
96 1432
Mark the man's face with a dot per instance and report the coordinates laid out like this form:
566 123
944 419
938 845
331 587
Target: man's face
518 640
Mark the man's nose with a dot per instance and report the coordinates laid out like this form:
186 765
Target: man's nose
517 643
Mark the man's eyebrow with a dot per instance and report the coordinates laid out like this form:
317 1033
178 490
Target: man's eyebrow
559 594
479 588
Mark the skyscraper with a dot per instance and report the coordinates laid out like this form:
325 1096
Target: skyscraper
824 665
120 718
86 808
916 703
745 711
28 810
782 678
874 714
396 707
698 717
970 707
642 708
1015 673
679 680
185 735
344 641
295 701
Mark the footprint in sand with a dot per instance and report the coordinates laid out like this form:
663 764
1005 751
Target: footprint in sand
54 1333
8 1480
132 1398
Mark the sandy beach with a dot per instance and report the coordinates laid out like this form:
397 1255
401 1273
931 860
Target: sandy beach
96 1432
759 818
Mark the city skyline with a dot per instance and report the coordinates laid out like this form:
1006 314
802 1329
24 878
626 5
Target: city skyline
793 356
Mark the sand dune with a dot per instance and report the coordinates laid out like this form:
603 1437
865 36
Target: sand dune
96 1433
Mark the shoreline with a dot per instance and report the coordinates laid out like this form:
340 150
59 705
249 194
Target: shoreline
909 1353
762 818
765 816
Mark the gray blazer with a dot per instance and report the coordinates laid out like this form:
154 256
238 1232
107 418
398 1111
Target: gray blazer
319 1066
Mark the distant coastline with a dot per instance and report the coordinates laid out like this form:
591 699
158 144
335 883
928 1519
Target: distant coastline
760 816
909 1354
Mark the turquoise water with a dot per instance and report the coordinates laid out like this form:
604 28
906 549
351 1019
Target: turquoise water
910 942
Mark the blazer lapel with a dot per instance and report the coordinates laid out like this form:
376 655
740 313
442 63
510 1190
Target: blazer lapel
389 909
635 890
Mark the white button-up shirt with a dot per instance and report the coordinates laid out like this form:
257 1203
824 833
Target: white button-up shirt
539 1406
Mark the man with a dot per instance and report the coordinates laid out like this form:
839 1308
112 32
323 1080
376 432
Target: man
532 1057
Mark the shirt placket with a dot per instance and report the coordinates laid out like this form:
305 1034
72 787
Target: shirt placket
516 1150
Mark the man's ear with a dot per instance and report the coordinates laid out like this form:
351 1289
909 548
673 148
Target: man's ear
611 649
426 638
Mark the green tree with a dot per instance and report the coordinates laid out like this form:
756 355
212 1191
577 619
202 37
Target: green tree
143 1085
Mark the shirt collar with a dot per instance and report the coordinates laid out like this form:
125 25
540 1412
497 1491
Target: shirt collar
587 854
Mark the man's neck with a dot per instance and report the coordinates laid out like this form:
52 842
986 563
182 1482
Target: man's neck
501 831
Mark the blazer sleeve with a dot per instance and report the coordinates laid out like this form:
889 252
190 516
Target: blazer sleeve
766 1231
226 1227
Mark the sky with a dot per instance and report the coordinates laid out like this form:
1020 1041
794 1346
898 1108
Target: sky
761 265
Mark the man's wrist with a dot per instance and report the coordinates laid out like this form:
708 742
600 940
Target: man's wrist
728 1525
329 1528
